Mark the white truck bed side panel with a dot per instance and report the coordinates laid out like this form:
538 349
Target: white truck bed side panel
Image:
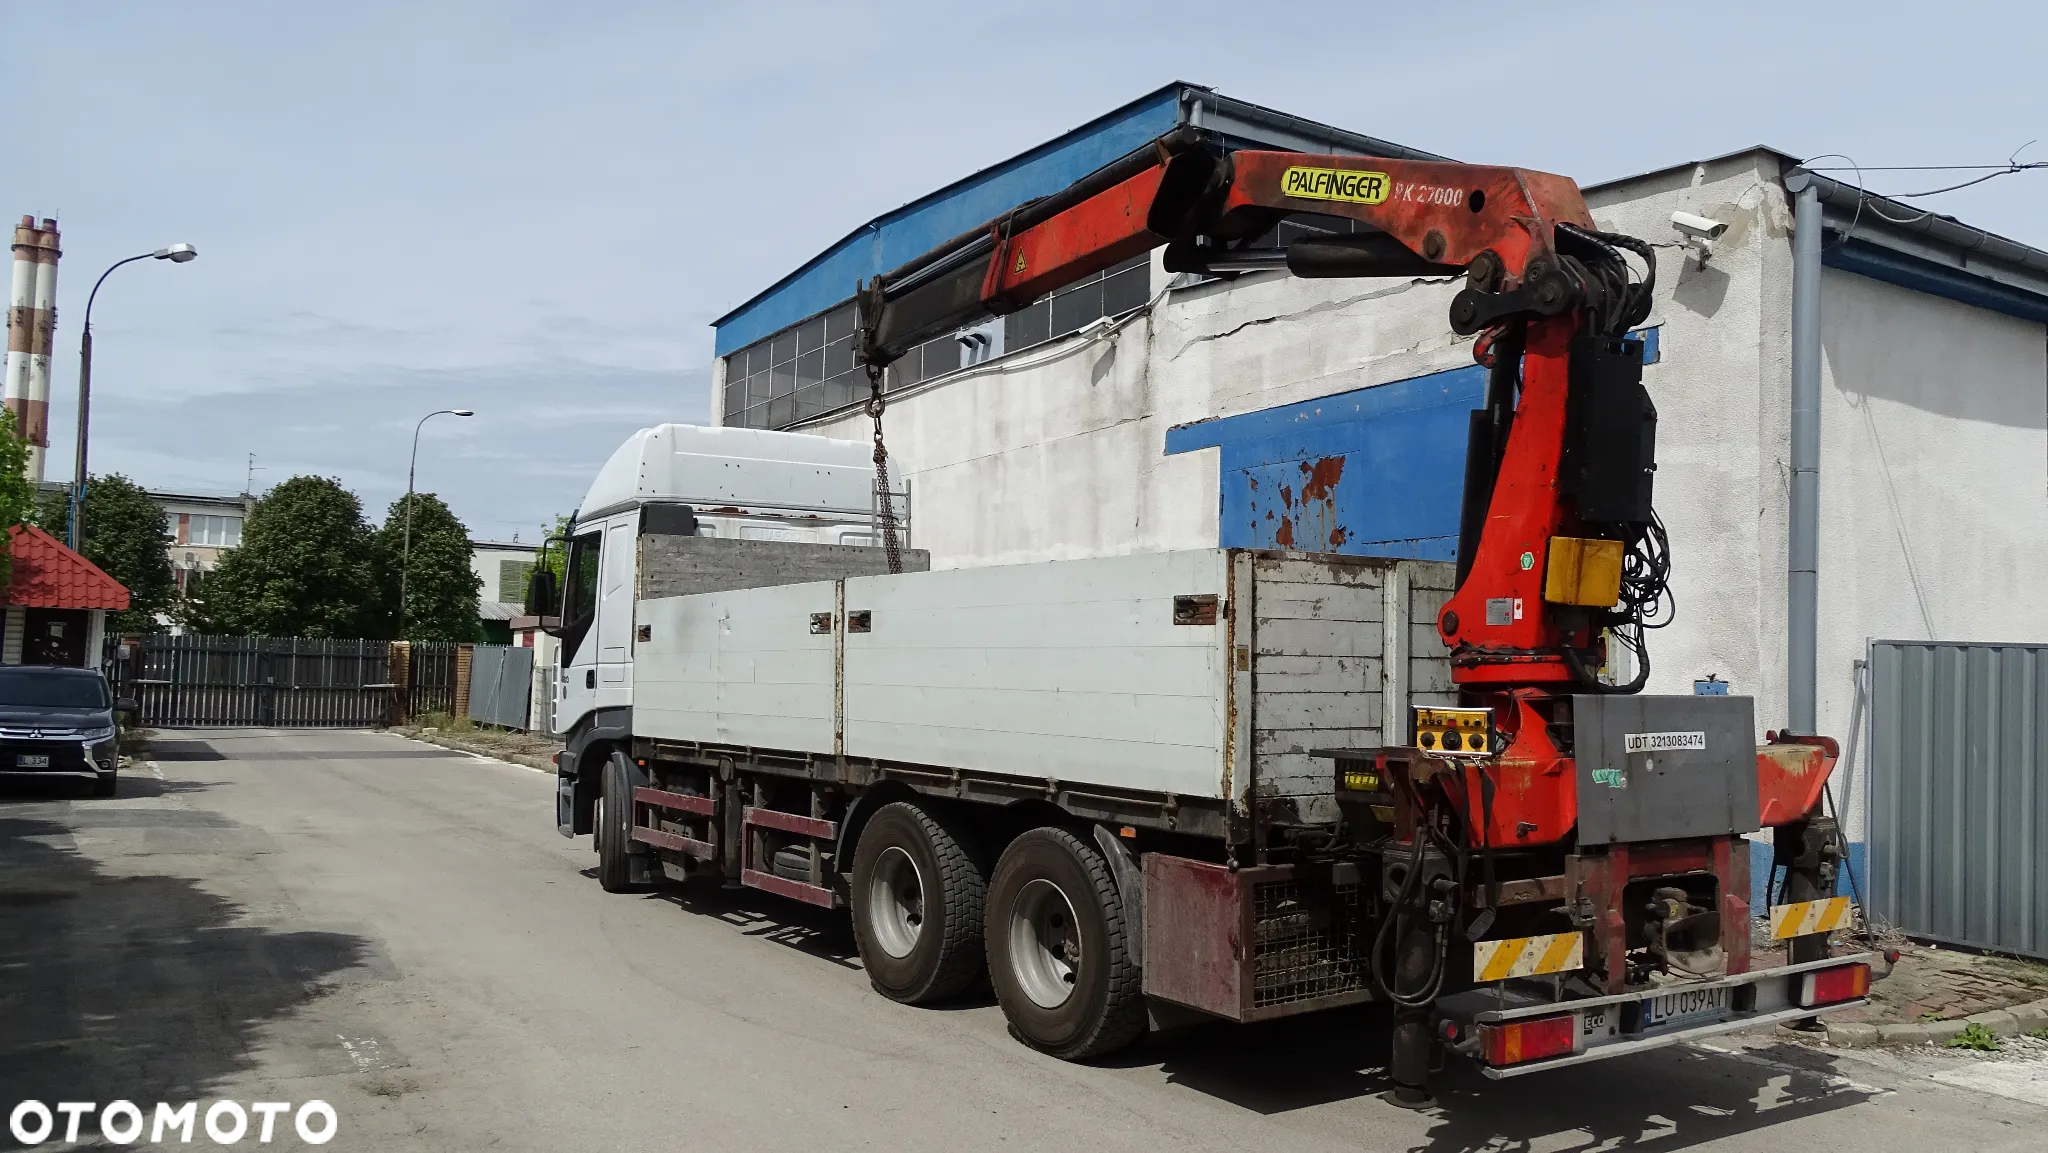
1316 667
739 667
1071 670
1321 634
1429 661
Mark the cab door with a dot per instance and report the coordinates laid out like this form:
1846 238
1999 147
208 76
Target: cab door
576 690
615 611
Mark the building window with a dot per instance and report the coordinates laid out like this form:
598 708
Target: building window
512 578
808 369
215 531
1111 292
804 370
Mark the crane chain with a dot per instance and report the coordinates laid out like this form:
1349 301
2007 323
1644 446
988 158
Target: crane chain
885 507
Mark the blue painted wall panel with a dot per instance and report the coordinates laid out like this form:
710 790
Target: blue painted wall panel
1372 472
830 278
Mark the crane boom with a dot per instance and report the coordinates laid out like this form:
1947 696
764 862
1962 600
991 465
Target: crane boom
1553 294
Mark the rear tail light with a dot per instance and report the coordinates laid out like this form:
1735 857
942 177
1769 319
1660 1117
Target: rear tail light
1831 986
1517 1041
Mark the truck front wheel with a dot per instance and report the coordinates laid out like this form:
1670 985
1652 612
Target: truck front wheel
1058 954
612 826
918 894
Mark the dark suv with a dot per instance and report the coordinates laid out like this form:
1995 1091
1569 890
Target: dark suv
58 722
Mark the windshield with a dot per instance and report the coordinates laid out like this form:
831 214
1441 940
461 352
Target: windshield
41 689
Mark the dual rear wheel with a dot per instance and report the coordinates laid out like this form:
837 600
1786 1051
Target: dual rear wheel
1046 926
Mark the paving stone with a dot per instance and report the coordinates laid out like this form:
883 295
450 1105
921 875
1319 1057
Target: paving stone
1939 1031
1852 1034
2033 1015
1997 1020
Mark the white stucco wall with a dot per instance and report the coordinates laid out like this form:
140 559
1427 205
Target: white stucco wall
1059 452
1933 484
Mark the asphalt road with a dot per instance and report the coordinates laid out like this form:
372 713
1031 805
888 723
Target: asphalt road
398 931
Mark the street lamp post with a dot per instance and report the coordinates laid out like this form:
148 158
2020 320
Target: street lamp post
405 558
176 254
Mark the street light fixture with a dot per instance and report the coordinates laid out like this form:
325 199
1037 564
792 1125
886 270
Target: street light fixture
405 558
179 253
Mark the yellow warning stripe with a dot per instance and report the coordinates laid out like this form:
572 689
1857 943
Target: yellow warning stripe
1528 956
1804 917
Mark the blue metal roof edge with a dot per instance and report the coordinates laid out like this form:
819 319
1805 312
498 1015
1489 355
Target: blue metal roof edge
916 227
1879 262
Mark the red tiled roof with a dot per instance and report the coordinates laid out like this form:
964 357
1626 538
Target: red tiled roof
49 576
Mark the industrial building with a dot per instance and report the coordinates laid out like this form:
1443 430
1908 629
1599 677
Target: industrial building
1143 411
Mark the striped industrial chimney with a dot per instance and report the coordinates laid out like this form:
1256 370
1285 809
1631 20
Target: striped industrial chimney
36 426
21 328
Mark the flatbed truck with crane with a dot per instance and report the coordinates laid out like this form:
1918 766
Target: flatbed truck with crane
1226 783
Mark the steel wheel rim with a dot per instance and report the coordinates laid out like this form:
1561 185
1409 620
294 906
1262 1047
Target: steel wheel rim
896 902
1045 944
597 825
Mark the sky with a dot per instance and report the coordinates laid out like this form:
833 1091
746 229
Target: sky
535 210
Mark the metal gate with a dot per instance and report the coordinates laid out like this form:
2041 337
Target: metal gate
1959 792
431 679
285 682
500 682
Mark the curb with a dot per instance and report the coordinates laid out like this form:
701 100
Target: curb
524 759
2006 1022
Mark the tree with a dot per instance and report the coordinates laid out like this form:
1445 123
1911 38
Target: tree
441 588
126 534
17 491
558 556
306 567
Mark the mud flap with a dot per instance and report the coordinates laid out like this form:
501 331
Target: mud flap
565 806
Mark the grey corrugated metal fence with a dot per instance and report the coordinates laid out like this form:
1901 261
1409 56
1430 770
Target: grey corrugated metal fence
500 682
1959 792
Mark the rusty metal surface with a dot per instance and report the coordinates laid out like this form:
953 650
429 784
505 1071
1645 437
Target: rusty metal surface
1251 945
784 887
676 842
790 823
1195 939
661 799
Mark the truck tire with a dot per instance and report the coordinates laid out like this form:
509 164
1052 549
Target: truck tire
1058 954
919 889
612 828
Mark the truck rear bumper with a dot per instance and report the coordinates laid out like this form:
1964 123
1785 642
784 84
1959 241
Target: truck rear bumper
1496 1028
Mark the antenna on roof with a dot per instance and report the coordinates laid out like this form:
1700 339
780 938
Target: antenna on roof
249 478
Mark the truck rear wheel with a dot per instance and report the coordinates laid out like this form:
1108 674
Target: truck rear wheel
1058 954
918 894
612 828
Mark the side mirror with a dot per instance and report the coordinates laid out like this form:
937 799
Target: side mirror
540 593
127 705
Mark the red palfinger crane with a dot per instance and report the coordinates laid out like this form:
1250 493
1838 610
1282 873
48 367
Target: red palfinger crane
1552 806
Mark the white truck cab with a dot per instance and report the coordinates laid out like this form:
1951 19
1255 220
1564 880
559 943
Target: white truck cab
728 482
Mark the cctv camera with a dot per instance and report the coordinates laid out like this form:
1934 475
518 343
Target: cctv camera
1697 227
